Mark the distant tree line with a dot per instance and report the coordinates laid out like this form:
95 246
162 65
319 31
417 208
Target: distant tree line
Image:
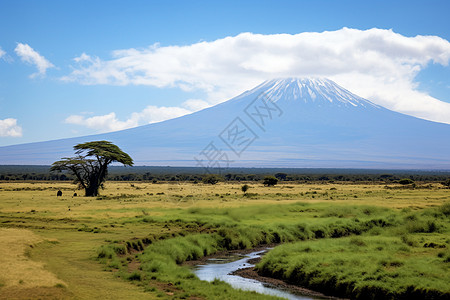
126 175
34 176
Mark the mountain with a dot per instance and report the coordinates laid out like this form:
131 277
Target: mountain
289 122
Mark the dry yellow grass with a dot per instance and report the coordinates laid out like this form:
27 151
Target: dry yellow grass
123 199
17 268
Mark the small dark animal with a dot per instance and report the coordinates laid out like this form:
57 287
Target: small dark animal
74 195
59 193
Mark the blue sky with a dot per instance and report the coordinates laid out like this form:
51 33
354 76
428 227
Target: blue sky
70 68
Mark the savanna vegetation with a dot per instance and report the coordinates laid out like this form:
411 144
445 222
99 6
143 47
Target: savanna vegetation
196 175
404 258
90 165
353 240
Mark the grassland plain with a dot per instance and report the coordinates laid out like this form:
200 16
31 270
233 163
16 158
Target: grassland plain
130 242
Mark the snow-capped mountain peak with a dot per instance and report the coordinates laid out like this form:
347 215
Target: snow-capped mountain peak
311 90
314 123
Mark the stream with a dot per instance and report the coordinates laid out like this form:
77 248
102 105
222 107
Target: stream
222 268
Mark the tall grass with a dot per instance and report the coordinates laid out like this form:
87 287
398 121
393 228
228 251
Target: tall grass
409 260
244 228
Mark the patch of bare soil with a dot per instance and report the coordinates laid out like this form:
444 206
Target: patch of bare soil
133 265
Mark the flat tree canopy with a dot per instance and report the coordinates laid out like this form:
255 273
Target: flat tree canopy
90 165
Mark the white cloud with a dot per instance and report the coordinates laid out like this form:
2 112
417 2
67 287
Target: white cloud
5 56
83 57
104 123
9 128
195 104
376 64
151 114
29 55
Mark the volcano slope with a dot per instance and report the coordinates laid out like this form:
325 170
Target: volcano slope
291 122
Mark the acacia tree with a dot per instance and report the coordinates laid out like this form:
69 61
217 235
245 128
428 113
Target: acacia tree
90 165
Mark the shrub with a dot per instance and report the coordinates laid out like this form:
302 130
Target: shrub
445 209
106 252
281 176
211 179
135 276
406 181
270 181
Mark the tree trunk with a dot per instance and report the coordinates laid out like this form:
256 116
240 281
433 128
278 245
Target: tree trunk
91 191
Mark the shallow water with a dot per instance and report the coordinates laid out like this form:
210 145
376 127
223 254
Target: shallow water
221 268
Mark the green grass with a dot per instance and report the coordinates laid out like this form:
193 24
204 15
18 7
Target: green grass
324 230
407 260
131 242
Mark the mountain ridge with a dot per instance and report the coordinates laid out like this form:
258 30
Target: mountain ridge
290 122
